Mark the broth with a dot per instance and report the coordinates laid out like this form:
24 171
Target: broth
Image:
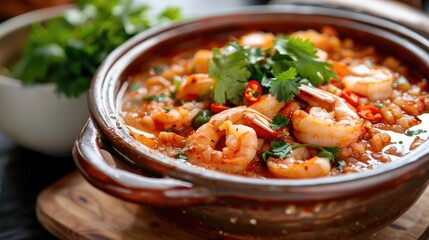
199 104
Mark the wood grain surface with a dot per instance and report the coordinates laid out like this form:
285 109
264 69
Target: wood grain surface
73 209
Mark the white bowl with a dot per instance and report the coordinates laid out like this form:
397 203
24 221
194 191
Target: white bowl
35 116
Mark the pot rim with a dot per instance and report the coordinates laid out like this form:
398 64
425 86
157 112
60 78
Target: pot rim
395 11
104 97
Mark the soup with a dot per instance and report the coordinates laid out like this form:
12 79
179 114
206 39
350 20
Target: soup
305 104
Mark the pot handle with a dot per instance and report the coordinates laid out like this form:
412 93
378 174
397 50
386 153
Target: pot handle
87 154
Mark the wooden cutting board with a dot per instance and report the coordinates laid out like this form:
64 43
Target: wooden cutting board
73 209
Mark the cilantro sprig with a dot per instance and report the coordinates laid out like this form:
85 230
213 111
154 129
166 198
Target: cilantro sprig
280 149
279 122
229 68
67 50
292 63
181 153
415 132
159 98
285 85
305 60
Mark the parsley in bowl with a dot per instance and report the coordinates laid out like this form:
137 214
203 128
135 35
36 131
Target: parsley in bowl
48 59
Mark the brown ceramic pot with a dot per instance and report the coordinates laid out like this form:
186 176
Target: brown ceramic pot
226 206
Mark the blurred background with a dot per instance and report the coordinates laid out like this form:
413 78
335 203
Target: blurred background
12 8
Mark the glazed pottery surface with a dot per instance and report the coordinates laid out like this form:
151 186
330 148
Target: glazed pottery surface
226 206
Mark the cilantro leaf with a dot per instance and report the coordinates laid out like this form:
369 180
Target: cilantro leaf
327 152
175 90
135 86
279 122
229 69
280 149
255 55
416 132
181 153
284 85
159 98
330 152
305 55
341 165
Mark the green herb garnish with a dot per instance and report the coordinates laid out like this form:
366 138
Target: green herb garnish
304 59
229 68
158 69
293 62
134 86
159 98
285 85
341 165
280 149
416 132
201 118
329 152
166 110
67 50
279 122
181 153
175 91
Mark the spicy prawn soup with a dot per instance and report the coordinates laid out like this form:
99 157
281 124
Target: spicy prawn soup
298 104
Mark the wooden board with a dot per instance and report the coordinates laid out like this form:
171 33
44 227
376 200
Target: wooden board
73 209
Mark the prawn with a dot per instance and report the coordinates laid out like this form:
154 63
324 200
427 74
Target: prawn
373 82
246 116
241 141
194 86
258 39
298 164
268 106
324 42
292 168
200 61
240 148
176 117
340 127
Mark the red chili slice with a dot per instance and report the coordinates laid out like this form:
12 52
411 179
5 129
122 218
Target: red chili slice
350 97
370 112
253 91
216 108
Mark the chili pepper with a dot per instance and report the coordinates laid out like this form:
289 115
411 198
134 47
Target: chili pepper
216 108
350 97
253 91
200 119
191 97
370 112
338 82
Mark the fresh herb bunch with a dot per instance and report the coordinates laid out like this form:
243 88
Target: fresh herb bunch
67 50
280 72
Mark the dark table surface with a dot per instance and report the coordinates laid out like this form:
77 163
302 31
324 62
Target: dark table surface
23 175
